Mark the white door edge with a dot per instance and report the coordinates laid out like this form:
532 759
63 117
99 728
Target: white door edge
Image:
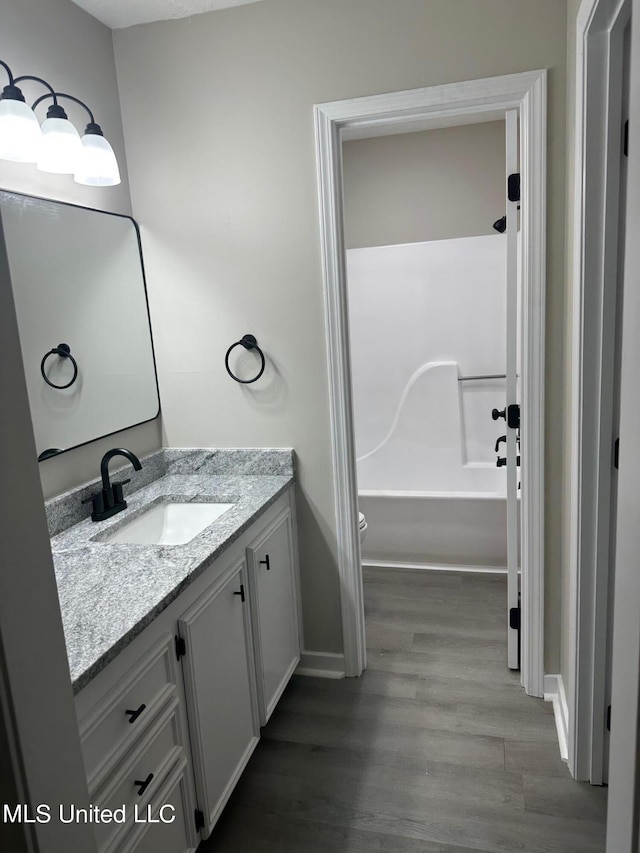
511 320
599 30
623 821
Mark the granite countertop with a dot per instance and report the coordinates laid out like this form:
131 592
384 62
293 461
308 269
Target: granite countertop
110 592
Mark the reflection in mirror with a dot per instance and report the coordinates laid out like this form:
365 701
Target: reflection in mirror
81 302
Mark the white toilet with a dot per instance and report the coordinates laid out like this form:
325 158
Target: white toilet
362 526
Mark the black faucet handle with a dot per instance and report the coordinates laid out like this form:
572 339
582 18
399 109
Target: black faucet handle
118 496
97 501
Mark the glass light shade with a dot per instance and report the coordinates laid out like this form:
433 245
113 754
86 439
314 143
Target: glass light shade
60 149
20 132
97 166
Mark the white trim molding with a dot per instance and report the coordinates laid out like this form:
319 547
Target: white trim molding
466 102
554 692
321 665
599 54
434 567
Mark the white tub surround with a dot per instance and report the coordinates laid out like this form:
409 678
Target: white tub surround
425 448
421 317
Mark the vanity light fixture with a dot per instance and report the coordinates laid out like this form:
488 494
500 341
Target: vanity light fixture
56 146
91 159
20 133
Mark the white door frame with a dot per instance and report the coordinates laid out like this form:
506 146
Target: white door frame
599 53
623 819
400 112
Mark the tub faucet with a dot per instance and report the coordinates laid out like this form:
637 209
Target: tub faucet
110 499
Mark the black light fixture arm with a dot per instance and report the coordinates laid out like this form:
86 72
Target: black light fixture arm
37 80
9 72
55 95
12 91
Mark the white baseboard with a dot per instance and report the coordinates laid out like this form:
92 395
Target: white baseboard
554 692
432 567
321 665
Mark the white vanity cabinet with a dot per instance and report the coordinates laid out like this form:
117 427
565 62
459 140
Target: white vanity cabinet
219 679
175 717
134 737
274 607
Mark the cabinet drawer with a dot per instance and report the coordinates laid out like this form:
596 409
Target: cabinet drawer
135 784
108 731
175 831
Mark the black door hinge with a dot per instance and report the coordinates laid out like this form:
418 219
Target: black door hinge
609 718
514 618
181 647
625 137
240 592
616 453
515 622
513 187
199 819
513 416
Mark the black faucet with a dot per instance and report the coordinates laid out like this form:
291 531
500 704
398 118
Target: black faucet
110 500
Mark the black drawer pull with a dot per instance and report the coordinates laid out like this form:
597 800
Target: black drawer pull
133 715
143 785
266 563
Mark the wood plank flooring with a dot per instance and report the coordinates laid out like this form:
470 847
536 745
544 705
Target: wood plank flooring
436 749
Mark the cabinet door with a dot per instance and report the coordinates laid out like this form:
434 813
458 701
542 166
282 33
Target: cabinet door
274 606
219 683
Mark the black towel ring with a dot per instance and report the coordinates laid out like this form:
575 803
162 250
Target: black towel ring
248 342
64 351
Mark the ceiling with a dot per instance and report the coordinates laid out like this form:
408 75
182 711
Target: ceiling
125 13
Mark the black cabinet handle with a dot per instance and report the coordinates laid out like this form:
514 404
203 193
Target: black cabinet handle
143 785
133 715
266 563
501 439
496 413
240 592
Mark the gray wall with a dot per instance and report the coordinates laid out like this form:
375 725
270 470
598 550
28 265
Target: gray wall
227 198
428 185
63 44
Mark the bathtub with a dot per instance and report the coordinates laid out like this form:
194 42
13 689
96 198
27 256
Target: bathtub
435 529
430 498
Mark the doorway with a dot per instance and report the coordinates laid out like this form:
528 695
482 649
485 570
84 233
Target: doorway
436 107
427 245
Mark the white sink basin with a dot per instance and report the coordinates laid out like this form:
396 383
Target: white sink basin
167 523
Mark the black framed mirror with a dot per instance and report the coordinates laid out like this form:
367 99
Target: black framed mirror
80 293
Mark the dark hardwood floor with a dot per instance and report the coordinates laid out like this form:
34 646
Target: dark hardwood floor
436 749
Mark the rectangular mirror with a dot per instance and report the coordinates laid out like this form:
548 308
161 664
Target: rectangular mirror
81 302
